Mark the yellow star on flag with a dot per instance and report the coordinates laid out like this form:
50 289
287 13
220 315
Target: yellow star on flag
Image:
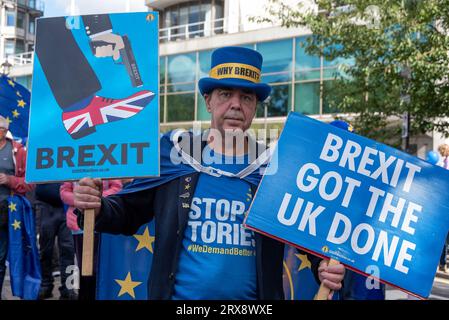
127 286
18 94
15 113
145 240
305 263
21 103
11 83
187 187
8 120
12 206
16 224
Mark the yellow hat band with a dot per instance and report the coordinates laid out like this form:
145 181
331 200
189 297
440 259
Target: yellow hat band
235 71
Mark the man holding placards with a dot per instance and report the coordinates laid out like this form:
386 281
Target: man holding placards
201 198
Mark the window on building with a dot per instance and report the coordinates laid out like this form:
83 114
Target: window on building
203 114
32 25
10 18
20 20
307 97
192 19
20 46
181 72
307 67
277 70
279 103
9 47
277 60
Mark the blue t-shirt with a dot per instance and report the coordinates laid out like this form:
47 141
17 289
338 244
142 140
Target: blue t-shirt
217 260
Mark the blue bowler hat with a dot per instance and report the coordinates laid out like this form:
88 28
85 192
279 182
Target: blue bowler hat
235 67
342 125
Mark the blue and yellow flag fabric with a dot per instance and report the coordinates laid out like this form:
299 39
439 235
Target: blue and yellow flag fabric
298 279
124 265
15 106
23 255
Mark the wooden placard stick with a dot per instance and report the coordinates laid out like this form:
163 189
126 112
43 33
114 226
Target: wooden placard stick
323 292
88 243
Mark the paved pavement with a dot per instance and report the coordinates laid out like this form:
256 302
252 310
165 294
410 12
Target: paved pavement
440 289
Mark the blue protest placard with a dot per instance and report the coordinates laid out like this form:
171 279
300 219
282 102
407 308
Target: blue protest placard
346 197
95 101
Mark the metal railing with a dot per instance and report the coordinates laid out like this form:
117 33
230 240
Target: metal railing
20 59
192 30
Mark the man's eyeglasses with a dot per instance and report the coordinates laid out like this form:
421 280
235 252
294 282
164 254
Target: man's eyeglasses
3 129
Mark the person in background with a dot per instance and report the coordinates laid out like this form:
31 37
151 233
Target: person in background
50 208
12 181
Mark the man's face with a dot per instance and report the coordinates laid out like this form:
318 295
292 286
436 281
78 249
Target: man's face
231 109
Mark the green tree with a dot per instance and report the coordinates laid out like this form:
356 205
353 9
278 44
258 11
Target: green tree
382 39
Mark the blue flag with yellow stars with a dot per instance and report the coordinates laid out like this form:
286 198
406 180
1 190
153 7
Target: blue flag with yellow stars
15 106
298 279
23 255
124 265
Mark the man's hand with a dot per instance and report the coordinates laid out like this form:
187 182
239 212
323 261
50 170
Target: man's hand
3 178
87 194
331 276
112 49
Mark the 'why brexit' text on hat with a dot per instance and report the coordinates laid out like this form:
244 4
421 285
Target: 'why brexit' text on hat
235 67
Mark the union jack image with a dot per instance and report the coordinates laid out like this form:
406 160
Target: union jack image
102 110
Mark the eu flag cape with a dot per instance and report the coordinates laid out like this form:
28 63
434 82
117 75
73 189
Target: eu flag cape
24 263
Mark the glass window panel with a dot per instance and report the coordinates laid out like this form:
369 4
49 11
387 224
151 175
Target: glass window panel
32 27
219 16
20 20
195 29
307 67
162 70
204 60
279 103
161 108
278 77
180 107
277 57
9 47
10 18
181 72
202 111
206 18
20 46
307 98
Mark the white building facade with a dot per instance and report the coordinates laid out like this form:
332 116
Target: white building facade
17 35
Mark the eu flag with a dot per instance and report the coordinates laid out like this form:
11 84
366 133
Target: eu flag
24 264
124 265
15 106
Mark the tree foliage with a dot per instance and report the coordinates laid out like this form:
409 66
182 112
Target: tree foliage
383 39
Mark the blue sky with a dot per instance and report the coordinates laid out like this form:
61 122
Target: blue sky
55 8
